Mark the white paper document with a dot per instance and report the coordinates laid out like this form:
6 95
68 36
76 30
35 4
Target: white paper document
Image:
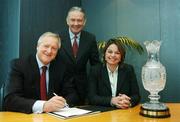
70 112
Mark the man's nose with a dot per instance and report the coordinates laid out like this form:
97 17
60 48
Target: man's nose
49 50
76 22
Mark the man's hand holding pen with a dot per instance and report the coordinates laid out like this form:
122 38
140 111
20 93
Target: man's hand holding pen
65 104
54 104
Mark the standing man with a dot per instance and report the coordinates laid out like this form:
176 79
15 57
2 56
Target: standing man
33 80
78 47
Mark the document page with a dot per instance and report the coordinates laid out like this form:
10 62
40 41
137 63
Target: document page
70 112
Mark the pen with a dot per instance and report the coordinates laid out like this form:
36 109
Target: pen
55 94
65 104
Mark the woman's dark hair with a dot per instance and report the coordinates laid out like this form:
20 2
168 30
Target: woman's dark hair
119 46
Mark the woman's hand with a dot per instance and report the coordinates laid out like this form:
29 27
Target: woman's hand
121 101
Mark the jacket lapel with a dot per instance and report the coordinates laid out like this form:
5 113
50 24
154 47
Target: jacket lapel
51 79
35 74
105 78
120 79
82 46
66 45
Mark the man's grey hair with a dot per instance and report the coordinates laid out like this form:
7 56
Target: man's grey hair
76 8
50 34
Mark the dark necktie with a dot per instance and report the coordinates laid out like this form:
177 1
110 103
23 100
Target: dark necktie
43 91
75 46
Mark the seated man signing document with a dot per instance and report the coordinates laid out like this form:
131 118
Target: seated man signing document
33 80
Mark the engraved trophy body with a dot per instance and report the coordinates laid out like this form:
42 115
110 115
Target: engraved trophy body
154 80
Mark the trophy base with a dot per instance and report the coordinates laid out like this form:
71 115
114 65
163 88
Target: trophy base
154 113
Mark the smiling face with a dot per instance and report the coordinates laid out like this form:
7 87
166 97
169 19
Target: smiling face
47 49
112 55
76 21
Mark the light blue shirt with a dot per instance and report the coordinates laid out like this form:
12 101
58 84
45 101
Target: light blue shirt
72 37
38 105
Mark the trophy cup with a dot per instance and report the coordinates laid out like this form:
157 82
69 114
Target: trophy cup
154 79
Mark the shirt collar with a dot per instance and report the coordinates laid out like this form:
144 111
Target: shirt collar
40 64
115 71
72 35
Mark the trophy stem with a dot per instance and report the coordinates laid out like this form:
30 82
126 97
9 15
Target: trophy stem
154 98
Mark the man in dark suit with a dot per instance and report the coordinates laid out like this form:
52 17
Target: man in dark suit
85 50
23 92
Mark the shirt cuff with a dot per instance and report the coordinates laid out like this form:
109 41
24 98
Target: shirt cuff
38 107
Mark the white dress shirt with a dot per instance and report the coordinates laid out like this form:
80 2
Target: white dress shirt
38 105
113 80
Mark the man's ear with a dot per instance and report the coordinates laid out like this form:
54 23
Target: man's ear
84 22
67 21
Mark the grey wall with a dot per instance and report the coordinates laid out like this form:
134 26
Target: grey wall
142 20
9 34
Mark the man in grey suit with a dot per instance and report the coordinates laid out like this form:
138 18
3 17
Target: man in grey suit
86 50
23 91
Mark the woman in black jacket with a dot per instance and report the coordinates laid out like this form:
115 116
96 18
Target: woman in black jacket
113 83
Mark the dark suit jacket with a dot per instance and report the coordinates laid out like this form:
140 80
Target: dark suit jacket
87 51
100 88
23 88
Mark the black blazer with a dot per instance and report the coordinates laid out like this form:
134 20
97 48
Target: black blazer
23 88
87 51
100 89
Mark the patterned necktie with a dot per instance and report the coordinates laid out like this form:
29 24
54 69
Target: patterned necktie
43 91
75 46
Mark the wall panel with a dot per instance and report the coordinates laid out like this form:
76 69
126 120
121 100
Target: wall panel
142 20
